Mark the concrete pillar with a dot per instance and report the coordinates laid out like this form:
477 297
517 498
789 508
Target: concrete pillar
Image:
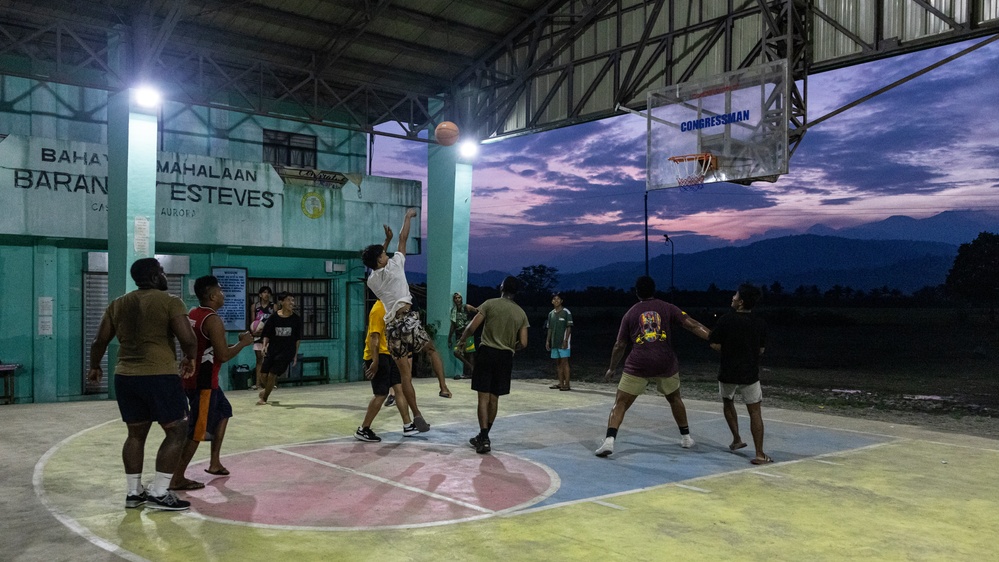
449 203
132 152
45 351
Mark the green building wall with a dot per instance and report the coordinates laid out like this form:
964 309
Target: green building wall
39 267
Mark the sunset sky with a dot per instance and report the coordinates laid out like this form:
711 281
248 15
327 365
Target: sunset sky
572 198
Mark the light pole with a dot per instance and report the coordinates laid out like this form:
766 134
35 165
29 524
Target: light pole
672 255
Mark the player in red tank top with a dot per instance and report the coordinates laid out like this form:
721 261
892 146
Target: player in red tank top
210 409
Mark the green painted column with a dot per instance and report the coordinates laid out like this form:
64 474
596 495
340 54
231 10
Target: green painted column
132 152
449 204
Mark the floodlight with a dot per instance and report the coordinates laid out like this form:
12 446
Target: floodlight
147 96
469 149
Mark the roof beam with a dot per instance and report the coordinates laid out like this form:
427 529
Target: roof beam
400 14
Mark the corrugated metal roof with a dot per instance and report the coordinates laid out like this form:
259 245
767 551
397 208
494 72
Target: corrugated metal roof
426 41
507 67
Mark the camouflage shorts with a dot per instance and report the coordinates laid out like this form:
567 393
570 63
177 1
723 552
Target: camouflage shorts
405 335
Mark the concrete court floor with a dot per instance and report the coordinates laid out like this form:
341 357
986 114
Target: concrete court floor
841 488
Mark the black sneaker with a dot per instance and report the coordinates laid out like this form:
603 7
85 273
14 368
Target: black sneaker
483 446
409 430
365 434
474 442
390 401
136 500
166 502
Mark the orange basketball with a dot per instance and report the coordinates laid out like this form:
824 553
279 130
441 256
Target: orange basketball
446 133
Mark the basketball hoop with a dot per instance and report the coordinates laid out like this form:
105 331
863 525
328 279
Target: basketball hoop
691 169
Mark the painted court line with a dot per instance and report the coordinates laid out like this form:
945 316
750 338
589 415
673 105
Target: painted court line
382 480
693 488
611 505
697 479
767 474
37 478
829 462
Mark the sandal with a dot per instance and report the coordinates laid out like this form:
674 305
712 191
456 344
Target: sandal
765 460
555 387
443 394
188 485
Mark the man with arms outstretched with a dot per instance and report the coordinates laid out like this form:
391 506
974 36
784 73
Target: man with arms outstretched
648 328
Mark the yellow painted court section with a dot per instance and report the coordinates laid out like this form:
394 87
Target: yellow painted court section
914 496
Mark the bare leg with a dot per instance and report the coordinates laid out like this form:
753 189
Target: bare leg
493 408
172 446
260 363
438 366
732 418
622 402
465 361
215 465
374 405
405 366
470 358
132 452
756 427
270 379
679 410
402 404
186 455
563 372
486 411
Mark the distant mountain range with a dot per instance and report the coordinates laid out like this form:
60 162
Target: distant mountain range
805 259
952 227
898 252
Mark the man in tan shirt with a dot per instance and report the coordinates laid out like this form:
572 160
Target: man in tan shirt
146 381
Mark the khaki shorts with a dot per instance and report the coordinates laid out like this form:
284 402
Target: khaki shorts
751 393
635 386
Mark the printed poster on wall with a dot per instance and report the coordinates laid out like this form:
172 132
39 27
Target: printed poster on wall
233 283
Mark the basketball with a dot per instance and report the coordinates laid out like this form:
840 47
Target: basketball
446 133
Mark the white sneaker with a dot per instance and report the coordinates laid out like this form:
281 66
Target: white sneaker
605 448
686 441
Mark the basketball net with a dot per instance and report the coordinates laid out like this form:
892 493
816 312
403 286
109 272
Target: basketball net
692 168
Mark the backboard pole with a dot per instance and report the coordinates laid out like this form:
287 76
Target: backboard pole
646 233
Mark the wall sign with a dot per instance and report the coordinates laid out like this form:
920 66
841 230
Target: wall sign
233 283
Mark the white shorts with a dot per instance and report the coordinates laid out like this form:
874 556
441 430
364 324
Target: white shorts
751 393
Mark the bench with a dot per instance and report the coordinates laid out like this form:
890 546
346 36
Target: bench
8 372
307 369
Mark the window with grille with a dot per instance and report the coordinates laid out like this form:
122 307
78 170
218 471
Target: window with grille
289 149
314 300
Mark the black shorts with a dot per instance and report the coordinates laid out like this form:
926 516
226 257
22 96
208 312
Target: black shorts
387 376
275 365
493 370
148 398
